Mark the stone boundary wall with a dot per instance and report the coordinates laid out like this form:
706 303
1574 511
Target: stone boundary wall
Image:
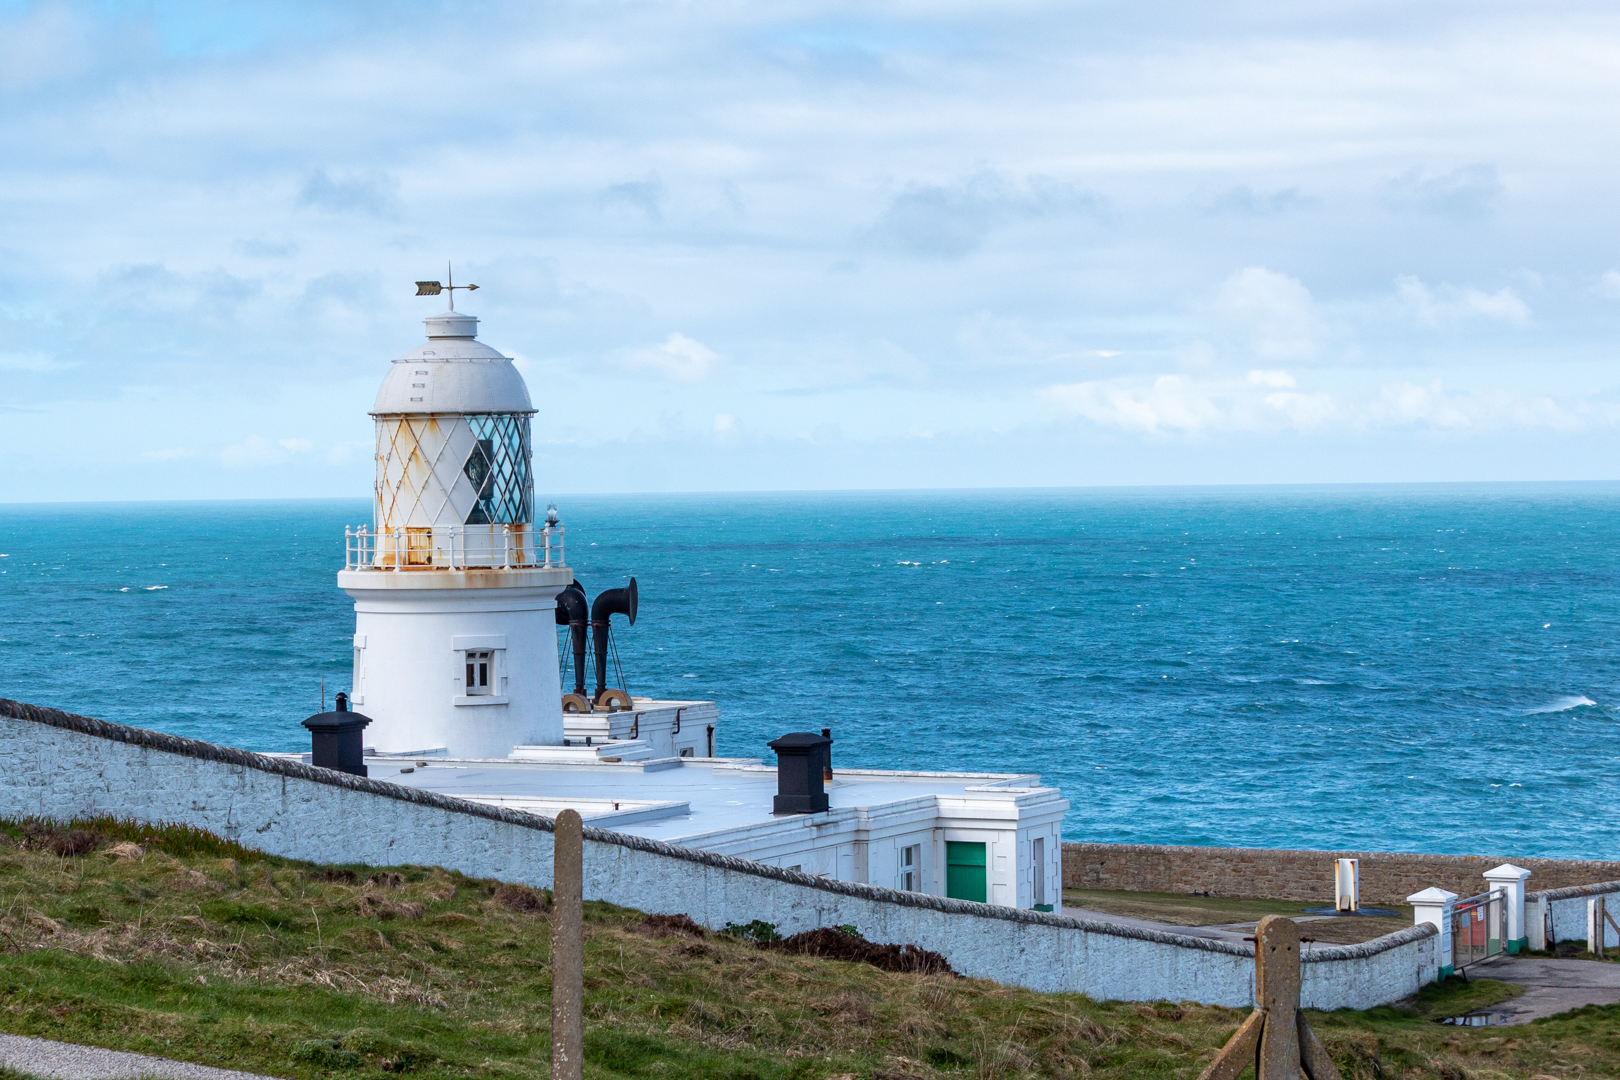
61 766
1565 910
1302 876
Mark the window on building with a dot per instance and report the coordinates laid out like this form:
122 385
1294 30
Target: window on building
686 751
1037 860
480 672
911 868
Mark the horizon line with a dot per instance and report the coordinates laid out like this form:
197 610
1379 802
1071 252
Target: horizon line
1030 489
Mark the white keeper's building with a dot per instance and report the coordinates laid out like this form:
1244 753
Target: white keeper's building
455 586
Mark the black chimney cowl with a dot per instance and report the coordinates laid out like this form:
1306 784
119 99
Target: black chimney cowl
336 740
800 759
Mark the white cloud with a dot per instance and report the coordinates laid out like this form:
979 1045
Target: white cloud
1303 412
1430 405
31 361
952 220
49 44
370 191
256 451
679 358
878 226
1268 401
1169 403
1465 193
1449 305
1272 311
1275 379
173 453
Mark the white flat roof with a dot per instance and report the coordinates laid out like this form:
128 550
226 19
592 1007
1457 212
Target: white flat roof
678 799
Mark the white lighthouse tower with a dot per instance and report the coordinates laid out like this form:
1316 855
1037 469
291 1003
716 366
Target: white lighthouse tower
455 588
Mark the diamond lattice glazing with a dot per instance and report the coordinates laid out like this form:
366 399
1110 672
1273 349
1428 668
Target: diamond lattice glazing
471 469
498 469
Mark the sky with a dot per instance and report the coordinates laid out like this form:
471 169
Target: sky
748 246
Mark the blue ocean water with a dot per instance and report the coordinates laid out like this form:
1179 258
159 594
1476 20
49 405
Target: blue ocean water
1428 668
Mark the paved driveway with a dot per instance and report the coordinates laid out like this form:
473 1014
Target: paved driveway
1551 986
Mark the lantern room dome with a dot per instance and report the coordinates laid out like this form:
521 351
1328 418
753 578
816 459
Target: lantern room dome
452 372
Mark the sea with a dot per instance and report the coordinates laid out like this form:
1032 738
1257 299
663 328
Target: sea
1403 668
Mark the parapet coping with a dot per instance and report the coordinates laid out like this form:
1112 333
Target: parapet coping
227 755
1575 892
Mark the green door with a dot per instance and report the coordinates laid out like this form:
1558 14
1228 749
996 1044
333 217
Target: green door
965 871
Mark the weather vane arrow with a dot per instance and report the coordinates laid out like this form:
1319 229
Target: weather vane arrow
434 288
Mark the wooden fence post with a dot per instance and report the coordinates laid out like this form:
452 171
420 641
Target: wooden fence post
1275 1039
568 948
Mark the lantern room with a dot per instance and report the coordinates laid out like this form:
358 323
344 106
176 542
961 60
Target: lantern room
454 486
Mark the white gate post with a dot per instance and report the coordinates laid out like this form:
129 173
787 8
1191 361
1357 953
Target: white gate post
1435 906
1597 932
1536 922
1510 879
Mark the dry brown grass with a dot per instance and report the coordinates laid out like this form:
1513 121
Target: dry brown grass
297 970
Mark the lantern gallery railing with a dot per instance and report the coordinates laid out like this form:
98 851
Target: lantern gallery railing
453 547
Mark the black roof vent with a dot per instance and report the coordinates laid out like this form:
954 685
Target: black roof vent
335 739
801 758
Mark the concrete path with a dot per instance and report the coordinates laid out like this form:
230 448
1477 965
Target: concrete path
1215 932
1550 986
67 1061
1235 932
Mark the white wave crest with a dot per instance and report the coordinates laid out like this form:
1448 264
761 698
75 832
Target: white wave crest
1564 704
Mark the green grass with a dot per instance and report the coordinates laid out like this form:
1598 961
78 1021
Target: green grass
1180 909
182 949
1458 995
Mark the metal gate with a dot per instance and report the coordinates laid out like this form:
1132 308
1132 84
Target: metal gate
1478 928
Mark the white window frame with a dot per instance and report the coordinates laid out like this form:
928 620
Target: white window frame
476 649
481 679
1037 859
357 694
910 876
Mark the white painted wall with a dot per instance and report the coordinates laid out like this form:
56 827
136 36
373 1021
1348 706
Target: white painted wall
672 728
1569 913
409 664
92 768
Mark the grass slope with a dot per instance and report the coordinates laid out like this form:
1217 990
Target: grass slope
177 944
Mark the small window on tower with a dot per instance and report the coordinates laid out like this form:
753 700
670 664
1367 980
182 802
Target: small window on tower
480 673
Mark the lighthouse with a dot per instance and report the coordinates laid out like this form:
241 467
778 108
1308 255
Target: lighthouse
454 584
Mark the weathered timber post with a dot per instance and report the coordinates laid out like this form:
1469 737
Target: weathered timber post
1597 934
568 949
1276 1039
